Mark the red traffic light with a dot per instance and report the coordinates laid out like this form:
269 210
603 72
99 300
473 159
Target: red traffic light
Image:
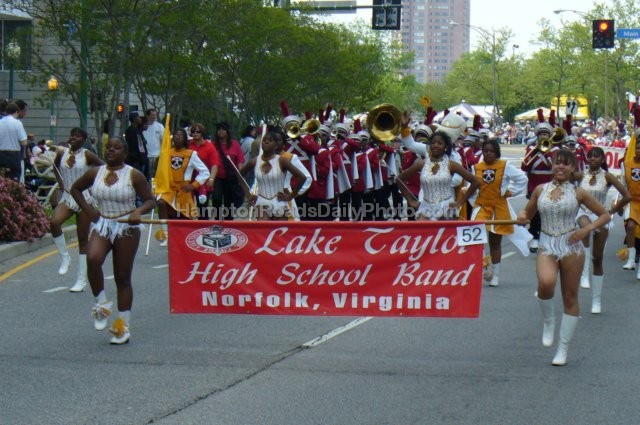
604 33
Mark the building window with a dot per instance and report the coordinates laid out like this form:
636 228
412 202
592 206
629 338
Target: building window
12 33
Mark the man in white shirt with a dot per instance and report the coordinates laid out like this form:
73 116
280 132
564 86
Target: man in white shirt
13 138
153 135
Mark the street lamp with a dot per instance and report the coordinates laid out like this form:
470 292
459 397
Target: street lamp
52 84
513 49
586 15
491 37
13 55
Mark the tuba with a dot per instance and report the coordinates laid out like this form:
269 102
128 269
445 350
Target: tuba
558 136
384 122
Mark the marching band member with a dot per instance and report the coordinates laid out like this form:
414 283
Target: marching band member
597 181
70 164
389 170
115 187
437 200
305 147
373 161
348 147
272 196
537 164
341 178
630 171
560 248
499 180
179 203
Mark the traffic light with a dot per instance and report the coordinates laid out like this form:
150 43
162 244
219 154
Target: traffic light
603 33
120 110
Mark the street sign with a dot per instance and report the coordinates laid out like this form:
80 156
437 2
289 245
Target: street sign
572 107
386 15
628 33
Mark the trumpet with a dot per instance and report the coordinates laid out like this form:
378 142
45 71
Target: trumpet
384 122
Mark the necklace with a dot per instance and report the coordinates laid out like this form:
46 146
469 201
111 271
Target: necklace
112 178
592 181
435 167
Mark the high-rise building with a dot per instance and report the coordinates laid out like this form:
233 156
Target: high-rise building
426 30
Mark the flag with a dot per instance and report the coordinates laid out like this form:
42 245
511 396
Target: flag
162 181
631 148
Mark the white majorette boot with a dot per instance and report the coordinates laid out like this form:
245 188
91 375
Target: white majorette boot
62 249
567 327
631 260
81 281
549 321
596 293
496 275
584 279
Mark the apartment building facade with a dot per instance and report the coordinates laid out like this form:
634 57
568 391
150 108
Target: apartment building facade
427 30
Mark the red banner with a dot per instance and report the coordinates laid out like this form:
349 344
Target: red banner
324 269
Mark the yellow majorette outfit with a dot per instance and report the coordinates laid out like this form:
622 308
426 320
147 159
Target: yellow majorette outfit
630 170
436 191
269 184
114 202
183 163
558 220
498 181
596 184
72 166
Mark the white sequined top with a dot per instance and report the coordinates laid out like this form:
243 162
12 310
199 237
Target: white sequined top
436 187
599 189
70 175
118 199
271 183
558 216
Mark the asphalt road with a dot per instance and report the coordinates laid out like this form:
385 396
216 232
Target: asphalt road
232 369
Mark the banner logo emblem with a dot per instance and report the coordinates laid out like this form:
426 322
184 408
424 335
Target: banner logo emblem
216 240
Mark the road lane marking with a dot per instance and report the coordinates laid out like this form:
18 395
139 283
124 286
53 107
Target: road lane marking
337 331
161 266
56 289
30 263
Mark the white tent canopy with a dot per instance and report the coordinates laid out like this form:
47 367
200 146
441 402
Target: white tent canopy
532 114
467 111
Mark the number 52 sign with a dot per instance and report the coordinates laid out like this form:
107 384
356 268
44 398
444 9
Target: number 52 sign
472 235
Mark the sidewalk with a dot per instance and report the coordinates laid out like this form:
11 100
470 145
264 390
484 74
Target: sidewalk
14 249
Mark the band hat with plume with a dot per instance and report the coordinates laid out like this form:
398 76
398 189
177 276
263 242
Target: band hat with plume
453 125
287 117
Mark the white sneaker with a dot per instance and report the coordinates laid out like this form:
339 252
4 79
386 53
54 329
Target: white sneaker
79 285
64 266
164 243
494 281
630 264
101 313
638 274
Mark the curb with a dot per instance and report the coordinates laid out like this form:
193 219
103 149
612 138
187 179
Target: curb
15 249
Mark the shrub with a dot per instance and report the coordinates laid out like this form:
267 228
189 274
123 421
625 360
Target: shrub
22 217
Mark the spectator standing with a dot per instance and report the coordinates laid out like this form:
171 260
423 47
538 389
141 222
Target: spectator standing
227 191
209 155
138 156
153 135
13 139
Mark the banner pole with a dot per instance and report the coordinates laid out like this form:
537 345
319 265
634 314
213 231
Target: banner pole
146 253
